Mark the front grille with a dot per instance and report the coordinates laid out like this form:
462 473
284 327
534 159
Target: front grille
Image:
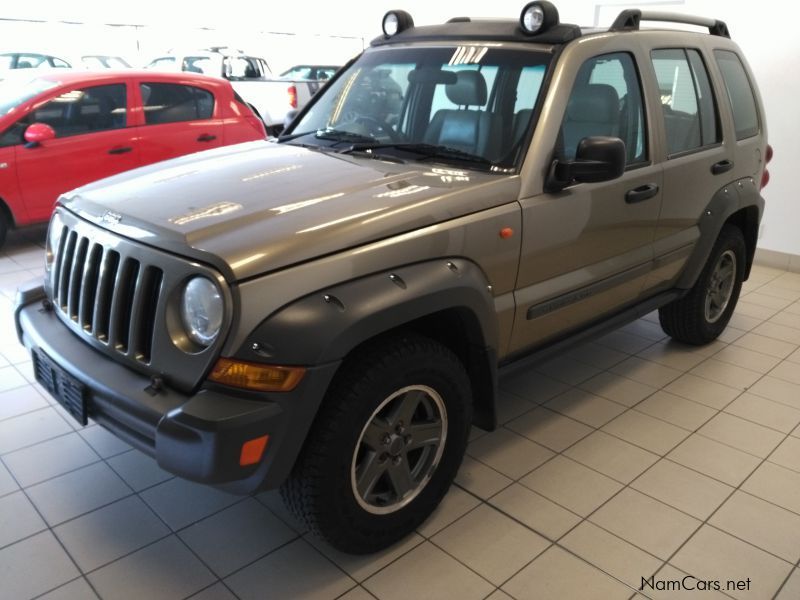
110 296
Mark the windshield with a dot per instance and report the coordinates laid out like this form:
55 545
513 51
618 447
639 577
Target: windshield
14 92
446 103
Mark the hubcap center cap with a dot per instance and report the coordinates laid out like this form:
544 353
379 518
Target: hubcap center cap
396 445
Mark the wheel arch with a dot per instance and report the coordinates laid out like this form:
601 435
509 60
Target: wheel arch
447 300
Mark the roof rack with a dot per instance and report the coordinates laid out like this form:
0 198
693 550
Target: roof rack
628 20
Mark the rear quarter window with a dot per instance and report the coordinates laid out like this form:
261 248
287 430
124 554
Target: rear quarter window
740 94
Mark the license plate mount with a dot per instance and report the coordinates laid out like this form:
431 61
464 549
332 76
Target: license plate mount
68 391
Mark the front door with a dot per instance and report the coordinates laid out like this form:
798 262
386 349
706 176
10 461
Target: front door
92 142
588 249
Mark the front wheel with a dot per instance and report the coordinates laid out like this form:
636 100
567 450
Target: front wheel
700 316
385 445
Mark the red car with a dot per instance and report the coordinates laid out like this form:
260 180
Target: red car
61 130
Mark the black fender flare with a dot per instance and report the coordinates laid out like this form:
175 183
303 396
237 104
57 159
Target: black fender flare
728 200
326 325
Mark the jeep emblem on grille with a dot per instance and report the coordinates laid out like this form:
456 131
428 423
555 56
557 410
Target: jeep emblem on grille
111 218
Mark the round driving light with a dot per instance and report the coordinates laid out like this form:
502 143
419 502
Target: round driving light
390 24
201 310
532 18
396 21
538 17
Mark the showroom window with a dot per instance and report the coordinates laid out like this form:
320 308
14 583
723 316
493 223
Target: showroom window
740 93
77 112
172 103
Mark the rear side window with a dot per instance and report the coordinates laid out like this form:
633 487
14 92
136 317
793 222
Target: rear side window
172 103
740 94
690 115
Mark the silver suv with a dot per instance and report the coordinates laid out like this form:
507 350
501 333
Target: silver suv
327 313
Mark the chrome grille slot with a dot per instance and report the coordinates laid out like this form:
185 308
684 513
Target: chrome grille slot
91 273
65 271
145 299
105 293
122 303
76 278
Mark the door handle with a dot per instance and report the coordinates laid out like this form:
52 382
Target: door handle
121 150
643 192
206 137
721 167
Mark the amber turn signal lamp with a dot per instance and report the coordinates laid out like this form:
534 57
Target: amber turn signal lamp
253 450
255 376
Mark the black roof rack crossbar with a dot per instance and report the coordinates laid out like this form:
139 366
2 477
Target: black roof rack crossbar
628 20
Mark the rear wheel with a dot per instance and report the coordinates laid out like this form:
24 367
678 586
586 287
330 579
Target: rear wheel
385 446
701 315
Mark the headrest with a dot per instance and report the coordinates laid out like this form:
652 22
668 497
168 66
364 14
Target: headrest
595 102
469 89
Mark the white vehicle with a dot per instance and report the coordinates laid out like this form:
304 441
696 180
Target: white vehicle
271 98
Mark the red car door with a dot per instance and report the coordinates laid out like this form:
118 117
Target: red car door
92 141
178 119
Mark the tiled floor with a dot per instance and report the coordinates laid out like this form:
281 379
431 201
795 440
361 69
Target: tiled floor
630 458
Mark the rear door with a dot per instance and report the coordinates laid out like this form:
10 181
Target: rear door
178 119
587 250
93 140
697 162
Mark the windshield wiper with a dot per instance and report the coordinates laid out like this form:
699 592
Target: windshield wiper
427 151
341 135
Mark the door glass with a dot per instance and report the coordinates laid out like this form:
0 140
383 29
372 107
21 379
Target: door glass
687 103
77 112
242 67
606 100
171 103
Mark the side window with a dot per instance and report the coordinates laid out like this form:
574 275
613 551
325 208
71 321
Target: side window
606 100
690 116
58 63
171 103
77 112
200 64
242 67
740 94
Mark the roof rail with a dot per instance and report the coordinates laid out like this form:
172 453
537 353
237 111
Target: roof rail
628 20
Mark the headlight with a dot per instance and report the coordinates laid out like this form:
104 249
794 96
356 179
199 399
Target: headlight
53 239
201 310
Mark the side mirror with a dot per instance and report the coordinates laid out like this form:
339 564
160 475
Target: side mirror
38 133
597 158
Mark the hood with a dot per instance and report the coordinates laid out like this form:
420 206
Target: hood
262 206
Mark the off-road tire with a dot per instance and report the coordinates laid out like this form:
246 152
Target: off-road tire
320 492
687 319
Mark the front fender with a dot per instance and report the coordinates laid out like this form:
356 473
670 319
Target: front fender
326 325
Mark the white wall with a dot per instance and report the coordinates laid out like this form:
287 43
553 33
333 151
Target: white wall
763 29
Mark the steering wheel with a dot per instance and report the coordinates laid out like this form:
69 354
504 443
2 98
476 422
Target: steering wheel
376 128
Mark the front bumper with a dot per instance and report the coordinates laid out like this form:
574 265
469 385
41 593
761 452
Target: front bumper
197 436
